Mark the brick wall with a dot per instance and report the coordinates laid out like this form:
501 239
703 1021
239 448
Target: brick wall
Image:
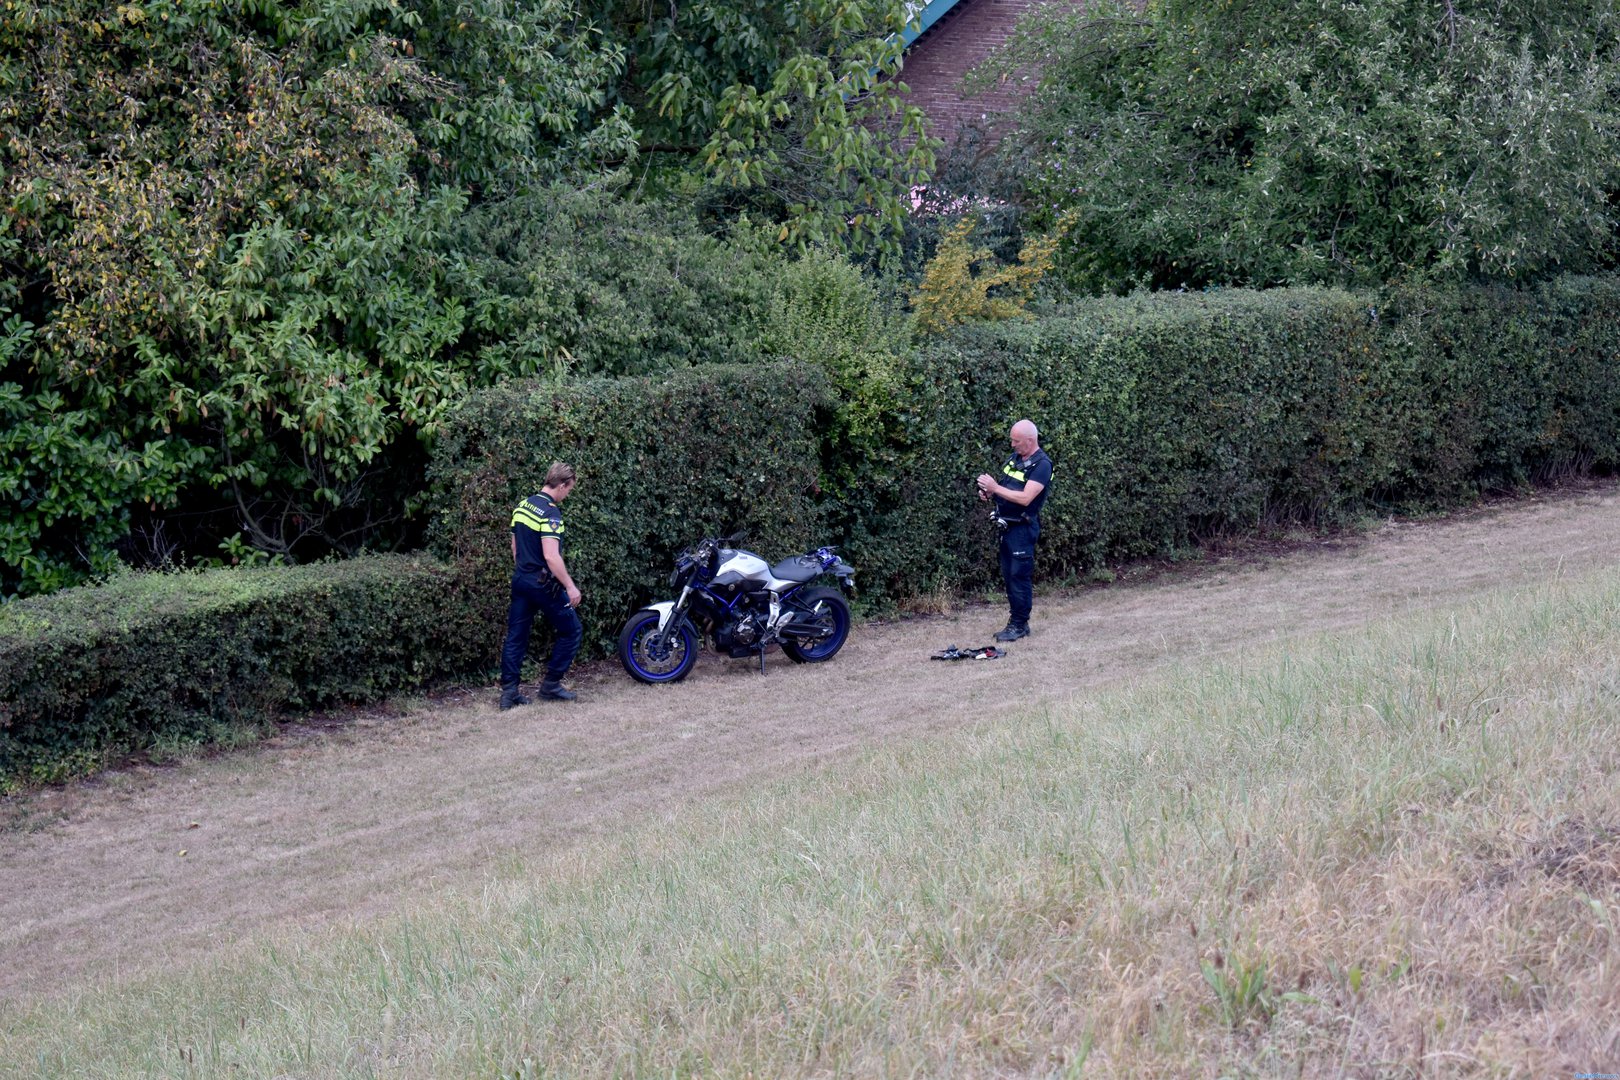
936 62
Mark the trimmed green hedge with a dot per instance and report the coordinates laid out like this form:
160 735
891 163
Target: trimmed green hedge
662 461
1169 416
1174 416
173 659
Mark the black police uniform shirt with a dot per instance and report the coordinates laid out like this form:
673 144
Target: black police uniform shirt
536 518
1035 469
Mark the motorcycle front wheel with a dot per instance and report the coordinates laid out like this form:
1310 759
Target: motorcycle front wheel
824 608
646 660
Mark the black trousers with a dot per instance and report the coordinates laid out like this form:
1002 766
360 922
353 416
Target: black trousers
531 598
1018 569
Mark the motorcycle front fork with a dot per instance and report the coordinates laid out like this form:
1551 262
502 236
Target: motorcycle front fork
662 639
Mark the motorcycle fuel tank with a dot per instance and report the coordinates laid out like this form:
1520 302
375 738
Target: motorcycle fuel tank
744 567
745 564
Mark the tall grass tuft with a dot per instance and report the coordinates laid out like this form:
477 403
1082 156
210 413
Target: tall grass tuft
1394 852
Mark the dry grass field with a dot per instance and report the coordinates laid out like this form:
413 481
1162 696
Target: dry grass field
1350 809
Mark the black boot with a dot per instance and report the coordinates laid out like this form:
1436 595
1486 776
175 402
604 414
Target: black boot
554 690
1013 632
511 696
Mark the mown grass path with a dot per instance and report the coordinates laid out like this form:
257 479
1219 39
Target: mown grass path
147 866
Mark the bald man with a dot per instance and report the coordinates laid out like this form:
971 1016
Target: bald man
1019 493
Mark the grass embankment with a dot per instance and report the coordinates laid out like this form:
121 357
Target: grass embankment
1395 852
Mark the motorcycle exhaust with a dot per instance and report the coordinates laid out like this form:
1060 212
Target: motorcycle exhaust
803 633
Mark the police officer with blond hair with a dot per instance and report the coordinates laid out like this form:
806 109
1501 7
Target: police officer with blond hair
541 586
1019 493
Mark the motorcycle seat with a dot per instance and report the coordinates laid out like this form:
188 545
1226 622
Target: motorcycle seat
799 568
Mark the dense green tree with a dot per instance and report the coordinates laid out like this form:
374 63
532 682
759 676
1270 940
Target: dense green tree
1273 141
580 280
791 105
251 250
529 89
225 256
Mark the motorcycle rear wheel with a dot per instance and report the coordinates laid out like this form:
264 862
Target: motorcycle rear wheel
645 662
825 607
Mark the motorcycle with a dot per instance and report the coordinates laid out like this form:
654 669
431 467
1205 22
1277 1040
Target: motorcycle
743 605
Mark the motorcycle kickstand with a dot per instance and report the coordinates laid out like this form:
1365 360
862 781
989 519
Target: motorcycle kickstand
762 658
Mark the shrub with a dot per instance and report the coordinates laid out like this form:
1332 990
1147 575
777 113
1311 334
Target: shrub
827 312
1279 142
1170 416
662 460
958 281
253 303
586 282
177 658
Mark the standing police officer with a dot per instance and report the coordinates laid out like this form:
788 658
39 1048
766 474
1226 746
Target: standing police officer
541 585
1019 495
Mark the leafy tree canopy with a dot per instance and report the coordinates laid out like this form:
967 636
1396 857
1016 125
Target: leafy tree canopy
792 104
580 280
1279 141
252 250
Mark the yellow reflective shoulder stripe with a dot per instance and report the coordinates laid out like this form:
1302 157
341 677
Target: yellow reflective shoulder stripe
1012 472
532 518
524 515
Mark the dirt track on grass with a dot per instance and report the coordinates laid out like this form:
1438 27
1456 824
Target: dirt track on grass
331 823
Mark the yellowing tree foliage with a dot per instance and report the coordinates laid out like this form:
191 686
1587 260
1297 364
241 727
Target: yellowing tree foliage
965 283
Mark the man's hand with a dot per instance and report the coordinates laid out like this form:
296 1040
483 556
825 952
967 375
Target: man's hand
987 484
573 596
